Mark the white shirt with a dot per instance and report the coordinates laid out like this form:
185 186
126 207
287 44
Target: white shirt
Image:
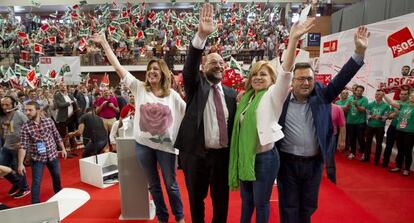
156 120
70 107
211 128
86 101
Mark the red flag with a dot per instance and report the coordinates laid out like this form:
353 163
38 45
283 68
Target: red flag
105 80
82 44
38 48
151 16
140 19
61 35
251 33
15 84
52 40
22 35
125 14
31 79
52 74
24 54
74 16
142 51
177 42
45 27
111 29
25 42
140 35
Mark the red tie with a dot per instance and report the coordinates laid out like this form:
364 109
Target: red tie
221 120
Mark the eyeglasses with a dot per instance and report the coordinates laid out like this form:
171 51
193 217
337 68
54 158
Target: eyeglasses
303 79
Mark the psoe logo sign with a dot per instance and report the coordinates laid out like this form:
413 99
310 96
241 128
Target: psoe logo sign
401 42
45 60
330 46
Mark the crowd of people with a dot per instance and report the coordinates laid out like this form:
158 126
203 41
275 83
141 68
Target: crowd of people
259 36
366 120
222 143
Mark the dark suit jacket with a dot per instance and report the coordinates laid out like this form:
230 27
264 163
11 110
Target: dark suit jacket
320 101
190 138
62 106
82 102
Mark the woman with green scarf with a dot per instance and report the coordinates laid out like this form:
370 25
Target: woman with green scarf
254 160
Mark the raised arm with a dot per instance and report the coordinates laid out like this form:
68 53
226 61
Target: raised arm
391 102
297 30
349 70
191 68
101 39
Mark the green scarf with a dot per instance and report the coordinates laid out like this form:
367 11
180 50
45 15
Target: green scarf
244 141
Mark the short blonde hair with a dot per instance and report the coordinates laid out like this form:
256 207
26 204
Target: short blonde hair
256 68
165 81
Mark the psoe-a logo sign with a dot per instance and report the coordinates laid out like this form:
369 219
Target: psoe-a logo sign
401 42
330 46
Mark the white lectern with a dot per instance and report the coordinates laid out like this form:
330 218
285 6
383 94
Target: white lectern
133 186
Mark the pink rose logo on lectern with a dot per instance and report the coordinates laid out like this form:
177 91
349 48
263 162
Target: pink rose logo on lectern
401 42
155 119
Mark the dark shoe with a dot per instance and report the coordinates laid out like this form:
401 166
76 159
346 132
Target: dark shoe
375 163
13 190
384 165
395 169
21 193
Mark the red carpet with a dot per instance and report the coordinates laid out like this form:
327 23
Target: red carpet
364 194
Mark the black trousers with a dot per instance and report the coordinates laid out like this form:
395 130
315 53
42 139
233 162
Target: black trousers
390 140
405 143
204 172
356 132
378 132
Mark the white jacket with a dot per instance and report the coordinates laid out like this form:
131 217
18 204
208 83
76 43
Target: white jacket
270 108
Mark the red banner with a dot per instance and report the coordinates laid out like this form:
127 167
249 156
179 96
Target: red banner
401 42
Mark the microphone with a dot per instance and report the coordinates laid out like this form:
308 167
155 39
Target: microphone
13 109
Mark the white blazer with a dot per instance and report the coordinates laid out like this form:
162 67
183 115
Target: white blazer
270 109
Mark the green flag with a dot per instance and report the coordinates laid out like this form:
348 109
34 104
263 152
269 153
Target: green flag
84 32
116 36
124 20
20 70
235 65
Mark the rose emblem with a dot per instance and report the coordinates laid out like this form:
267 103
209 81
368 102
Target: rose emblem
155 118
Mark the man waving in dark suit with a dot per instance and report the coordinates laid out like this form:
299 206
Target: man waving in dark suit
203 138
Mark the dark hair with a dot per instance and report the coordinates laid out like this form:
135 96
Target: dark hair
32 90
12 99
406 66
302 66
360 86
33 103
117 92
21 94
89 109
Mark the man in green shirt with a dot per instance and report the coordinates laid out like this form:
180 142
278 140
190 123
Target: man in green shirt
377 112
343 98
405 134
391 131
356 119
